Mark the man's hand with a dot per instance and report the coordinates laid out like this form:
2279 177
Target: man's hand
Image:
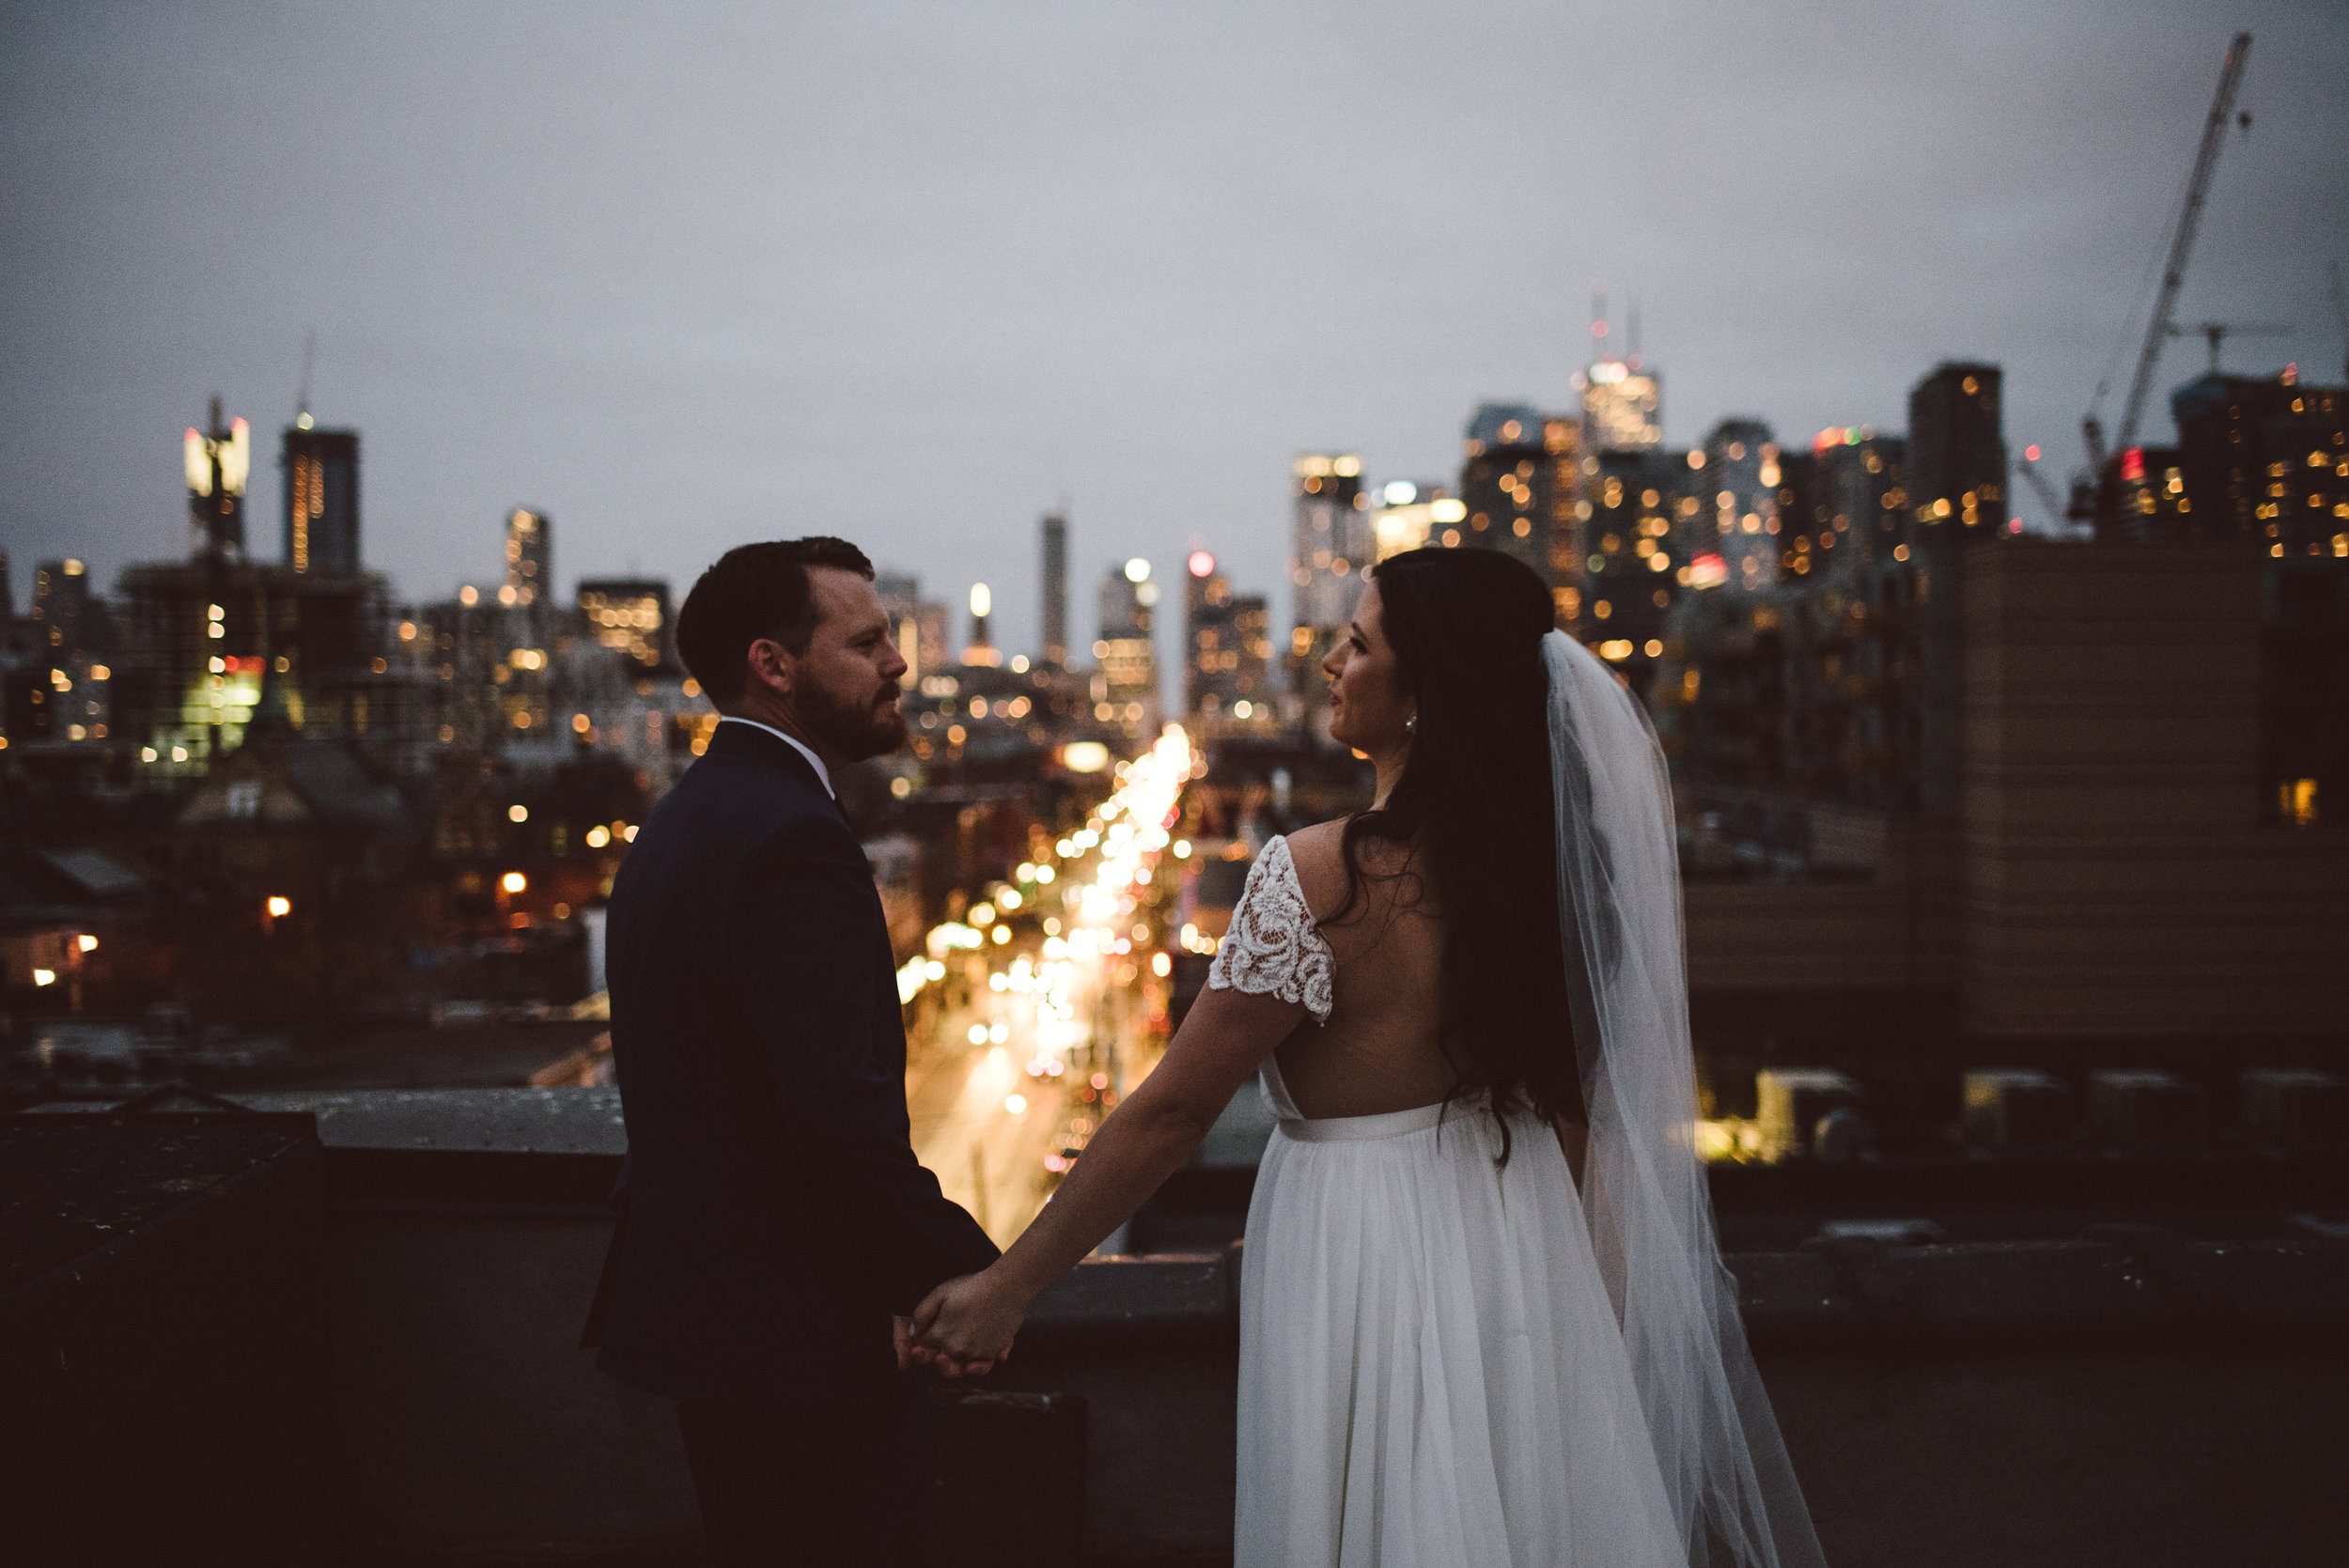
965 1325
901 1336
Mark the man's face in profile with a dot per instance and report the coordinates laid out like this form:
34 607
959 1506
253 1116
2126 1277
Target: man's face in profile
849 692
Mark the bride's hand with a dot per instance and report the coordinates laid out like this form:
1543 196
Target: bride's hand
968 1322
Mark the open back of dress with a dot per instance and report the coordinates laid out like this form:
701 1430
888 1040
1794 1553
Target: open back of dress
1431 1371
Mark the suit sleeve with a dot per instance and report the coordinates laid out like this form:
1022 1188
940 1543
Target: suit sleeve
800 963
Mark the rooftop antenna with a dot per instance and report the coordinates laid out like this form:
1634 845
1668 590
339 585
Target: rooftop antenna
1631 333
1598 321
301 396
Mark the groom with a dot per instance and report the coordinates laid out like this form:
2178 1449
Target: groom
776 1227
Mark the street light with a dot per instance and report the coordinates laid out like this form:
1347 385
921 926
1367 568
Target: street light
513 881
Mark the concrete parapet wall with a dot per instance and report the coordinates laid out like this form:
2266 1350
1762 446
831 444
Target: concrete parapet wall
2127 1396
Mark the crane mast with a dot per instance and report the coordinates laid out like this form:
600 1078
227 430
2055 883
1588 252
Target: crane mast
2181 245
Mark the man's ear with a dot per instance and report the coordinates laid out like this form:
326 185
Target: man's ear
770 667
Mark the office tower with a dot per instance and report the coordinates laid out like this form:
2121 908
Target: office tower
1807 539
1519 480
60 689
1634 516
1413 514
1125 677
1957 492
322 485
1741 472
529 558
929 616
1227 650
631 615
1331 542
62 606
900 597
2264 464
1956 452
2149 502
1622 407
982 651
1862 475
218 459
2261 460
1055 543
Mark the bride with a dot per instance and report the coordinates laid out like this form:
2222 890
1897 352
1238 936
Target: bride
1484 1319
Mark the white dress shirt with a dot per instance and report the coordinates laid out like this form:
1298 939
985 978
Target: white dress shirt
823 774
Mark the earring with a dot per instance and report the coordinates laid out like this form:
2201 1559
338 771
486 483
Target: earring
1410 726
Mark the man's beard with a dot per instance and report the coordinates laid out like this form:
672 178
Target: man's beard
855 730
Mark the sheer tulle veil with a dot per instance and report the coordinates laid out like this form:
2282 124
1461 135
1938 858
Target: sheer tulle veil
1732 1488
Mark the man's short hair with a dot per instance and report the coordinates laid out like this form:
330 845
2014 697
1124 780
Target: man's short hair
755 591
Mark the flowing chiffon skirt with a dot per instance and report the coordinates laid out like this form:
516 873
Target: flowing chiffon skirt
1431 1374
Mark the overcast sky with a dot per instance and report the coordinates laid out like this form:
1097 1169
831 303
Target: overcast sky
687 276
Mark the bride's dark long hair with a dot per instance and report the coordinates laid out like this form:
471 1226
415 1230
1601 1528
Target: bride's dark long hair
1474 815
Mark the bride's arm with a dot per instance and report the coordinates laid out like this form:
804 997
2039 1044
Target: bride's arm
1228 1033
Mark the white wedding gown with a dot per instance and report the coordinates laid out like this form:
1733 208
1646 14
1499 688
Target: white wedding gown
1431 1371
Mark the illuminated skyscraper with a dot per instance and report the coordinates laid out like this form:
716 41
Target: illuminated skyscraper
1957 452
982 651
1623 401
1227 650
1410 514
1126 678
321 486
219 460
1741 472
1864 476
529 558
1055 544
1330 543
631 616
1518 481
1622 407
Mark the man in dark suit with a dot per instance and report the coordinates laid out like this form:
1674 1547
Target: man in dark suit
776 1227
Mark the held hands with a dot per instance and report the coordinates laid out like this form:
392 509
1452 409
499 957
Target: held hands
965 1325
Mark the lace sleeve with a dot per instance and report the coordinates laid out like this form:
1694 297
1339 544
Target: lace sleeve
1274 948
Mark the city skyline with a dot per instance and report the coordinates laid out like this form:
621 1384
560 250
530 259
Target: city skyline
629 348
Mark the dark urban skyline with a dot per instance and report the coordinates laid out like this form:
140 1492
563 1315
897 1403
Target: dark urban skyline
919 277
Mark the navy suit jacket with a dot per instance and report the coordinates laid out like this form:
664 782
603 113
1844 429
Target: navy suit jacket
774 1216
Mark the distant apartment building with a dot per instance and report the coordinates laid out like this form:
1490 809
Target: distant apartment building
1519 480
1227 651
529 558
1053 540
1332 540
631 616
1126 667
1623 407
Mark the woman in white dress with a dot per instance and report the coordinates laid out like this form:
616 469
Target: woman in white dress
1483 1320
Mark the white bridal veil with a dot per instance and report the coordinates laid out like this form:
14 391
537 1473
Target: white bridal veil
1732 1488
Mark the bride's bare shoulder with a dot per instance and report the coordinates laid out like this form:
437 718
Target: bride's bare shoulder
1318 853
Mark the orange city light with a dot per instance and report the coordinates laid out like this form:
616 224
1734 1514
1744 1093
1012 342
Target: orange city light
87 942
279 907
513 881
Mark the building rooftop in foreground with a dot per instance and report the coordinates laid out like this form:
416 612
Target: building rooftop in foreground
343 1328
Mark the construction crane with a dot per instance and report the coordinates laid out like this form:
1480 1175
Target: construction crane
2057 512
2157 330
2219 331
